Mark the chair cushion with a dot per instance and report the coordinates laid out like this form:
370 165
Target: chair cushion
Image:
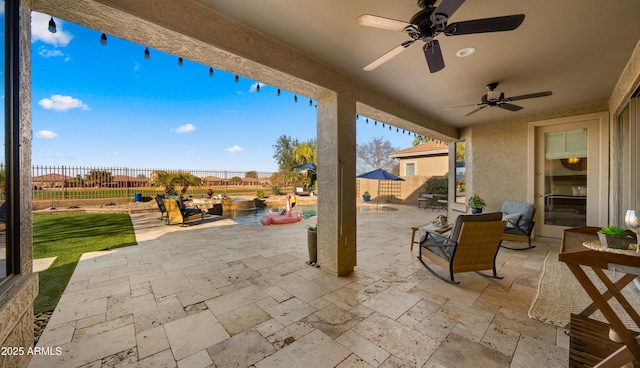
455 233
511 219
525 210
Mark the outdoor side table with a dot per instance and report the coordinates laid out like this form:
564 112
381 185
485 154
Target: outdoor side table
575 255
427 228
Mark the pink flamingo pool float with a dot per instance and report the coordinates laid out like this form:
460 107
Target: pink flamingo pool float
286 216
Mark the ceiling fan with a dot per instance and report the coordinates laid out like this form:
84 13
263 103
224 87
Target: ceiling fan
429 22
497 98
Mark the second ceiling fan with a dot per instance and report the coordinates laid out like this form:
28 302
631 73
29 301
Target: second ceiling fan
430 22
495 98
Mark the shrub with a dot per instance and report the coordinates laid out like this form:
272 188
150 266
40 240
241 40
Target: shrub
260 193
275 190
437 185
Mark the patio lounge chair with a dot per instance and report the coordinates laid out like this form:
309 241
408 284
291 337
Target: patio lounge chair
472 246
163 210
519 217
178 212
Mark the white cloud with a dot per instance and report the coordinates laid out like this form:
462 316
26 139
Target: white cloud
62 103
184 128
46 134
47 53
234 149
40 31
136 66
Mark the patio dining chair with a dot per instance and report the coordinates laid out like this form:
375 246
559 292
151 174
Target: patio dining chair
178 212
472 246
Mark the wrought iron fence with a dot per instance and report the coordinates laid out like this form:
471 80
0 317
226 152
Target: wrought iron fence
72 182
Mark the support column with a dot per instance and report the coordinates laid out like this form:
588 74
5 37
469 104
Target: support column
337 183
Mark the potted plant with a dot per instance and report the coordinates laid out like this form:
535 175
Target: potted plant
476 204
614 237
312 244
366 196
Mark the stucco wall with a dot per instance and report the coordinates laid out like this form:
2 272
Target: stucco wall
16 300
497 152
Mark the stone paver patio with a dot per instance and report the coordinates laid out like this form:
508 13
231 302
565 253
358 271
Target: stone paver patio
220 294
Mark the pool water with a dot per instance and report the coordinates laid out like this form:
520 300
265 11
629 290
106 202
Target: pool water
252 216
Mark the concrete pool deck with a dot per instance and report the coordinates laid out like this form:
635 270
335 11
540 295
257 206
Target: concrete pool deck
220 294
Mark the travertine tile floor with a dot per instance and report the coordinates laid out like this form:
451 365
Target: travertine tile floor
219 294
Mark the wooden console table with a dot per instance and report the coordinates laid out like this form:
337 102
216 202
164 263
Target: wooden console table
575 255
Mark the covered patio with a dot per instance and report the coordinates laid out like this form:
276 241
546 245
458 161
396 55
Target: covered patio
223 294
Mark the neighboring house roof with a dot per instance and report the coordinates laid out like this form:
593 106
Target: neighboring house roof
432 148
125 178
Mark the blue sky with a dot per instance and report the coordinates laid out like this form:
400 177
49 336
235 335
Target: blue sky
107 106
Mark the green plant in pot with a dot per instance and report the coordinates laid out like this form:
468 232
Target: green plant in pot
614 237
366 196
476 204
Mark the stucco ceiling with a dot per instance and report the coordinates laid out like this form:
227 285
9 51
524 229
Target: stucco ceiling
574 48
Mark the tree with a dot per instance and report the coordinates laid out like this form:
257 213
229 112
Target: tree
172 179
251 174
96 178
376 155
283 153
306 153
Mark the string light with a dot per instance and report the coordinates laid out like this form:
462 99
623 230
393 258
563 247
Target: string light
357 117
278 91
375 122
383 125
103 40
295 98
180 62
258 87
147 56
52 26
210 71
237 78
310 102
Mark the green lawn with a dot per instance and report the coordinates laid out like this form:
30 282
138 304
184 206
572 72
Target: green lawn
67 237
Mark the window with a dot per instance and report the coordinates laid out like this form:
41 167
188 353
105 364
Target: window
460 169
409 169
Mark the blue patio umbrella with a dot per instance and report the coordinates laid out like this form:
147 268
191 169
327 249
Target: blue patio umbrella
307 166
379 174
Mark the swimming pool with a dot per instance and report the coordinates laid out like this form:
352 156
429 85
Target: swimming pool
252 216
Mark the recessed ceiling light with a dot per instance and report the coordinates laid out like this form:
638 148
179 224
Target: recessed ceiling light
466 52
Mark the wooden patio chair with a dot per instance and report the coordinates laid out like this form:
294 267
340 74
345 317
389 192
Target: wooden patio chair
472 246
181 214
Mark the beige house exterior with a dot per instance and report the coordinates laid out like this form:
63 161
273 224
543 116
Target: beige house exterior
427 159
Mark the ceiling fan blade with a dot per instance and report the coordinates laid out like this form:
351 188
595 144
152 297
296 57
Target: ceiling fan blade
381 22
510 107
497 24
476 110
388 56
530 95
457 107
446 8
433 53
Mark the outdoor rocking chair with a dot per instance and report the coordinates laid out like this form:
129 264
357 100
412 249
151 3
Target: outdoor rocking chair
178 212
472 246
519 217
